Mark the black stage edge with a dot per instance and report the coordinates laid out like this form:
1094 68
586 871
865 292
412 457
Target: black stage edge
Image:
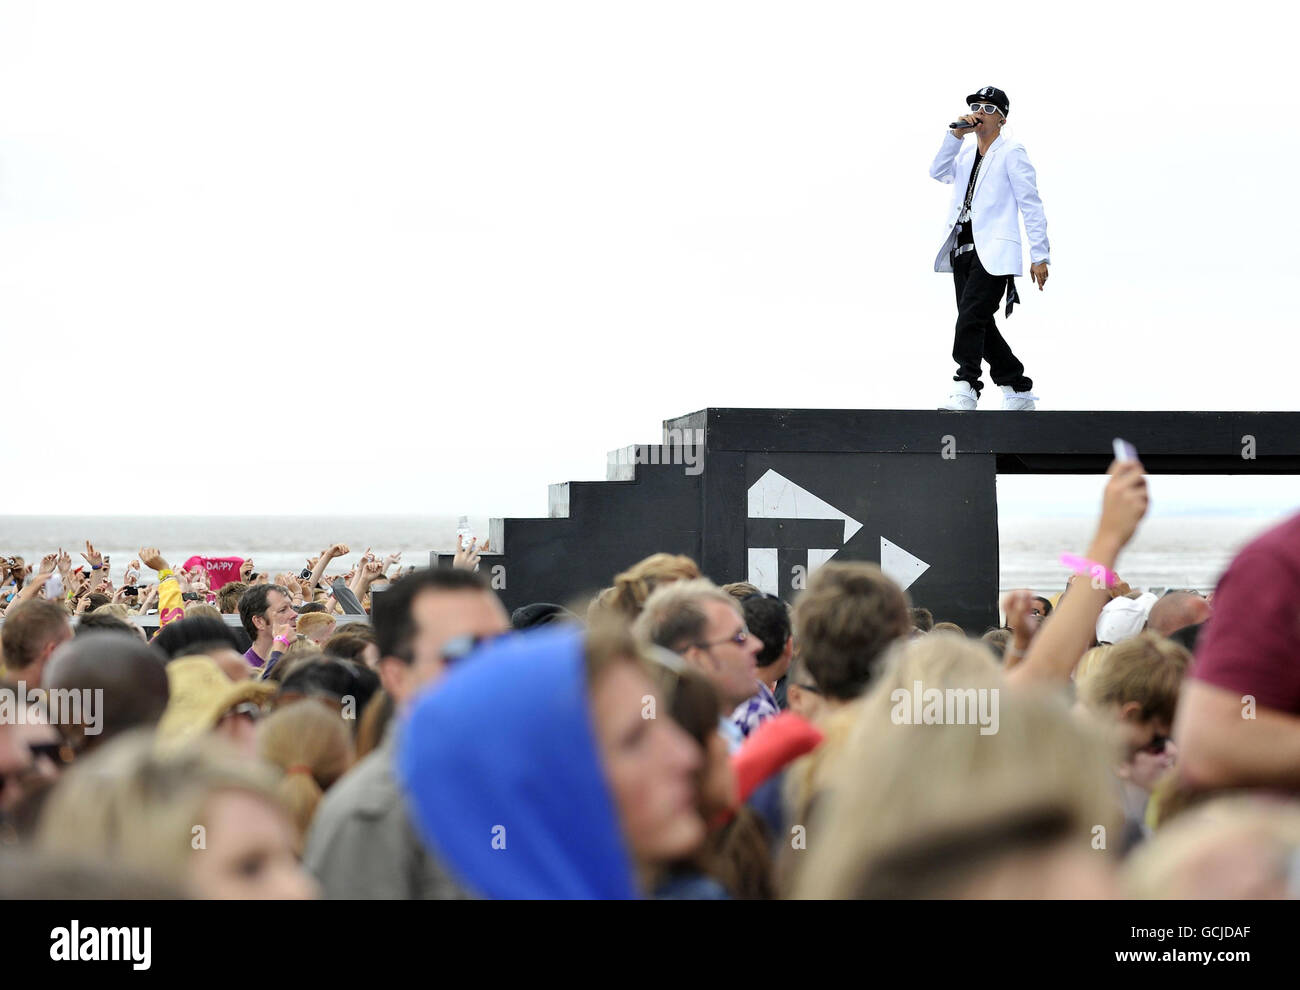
1027 941
767 495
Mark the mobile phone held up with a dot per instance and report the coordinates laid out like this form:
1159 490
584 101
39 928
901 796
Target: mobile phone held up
1124 451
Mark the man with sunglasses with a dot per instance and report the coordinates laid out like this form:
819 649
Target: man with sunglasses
705 626
993 186
362 842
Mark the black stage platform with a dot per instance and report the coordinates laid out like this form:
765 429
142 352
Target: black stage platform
767 495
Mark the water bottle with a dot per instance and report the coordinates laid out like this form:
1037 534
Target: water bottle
463 531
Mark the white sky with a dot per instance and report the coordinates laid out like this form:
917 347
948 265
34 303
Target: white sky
477 245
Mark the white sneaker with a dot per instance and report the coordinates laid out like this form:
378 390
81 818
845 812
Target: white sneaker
962 397
1011 399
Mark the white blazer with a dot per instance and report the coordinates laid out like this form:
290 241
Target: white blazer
1006 186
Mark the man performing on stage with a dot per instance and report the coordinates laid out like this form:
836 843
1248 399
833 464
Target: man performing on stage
993 183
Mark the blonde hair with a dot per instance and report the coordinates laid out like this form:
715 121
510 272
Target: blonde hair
601 603
807 777
1201 854
635 585
374 722
195 609
1146 668
740 590
134 805
937 661
314 622
312 746
917 810
115 609
301 649
1089 663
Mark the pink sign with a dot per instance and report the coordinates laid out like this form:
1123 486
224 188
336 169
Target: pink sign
221 570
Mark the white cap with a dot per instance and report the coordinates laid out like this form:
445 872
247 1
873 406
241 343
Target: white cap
1123 618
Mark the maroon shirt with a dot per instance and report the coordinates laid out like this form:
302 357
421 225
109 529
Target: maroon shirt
1251 642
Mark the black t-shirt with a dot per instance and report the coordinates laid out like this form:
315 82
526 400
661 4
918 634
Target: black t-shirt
964 235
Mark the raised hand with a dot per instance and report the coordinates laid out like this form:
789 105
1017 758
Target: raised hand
64 563
1016 605
33 586
48 563
153 559
467 556
1120 588
93 557
973 121
246 570
285 629
1123 505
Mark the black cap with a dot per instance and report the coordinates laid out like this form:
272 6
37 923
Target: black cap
539 614
991 94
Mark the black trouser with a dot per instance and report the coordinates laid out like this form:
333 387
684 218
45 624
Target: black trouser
977 337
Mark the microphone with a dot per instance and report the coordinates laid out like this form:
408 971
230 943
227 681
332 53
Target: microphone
958 124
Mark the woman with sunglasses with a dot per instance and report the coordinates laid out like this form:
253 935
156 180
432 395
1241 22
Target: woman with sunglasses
993 186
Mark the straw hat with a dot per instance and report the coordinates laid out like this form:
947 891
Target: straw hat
200 694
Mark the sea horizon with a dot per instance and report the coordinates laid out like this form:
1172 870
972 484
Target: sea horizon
1167 552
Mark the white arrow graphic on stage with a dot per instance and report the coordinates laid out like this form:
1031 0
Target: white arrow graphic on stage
900 565
774 496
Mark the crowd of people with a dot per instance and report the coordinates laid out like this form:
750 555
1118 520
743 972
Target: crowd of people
396 733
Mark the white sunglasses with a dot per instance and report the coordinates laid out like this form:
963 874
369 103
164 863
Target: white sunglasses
986 107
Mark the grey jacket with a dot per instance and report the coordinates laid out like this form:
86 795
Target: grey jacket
362 844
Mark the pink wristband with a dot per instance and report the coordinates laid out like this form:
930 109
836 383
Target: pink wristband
1082 565
281 639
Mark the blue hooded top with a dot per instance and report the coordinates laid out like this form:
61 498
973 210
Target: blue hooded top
500 764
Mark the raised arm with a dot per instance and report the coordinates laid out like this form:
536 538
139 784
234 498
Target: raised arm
1068 632
941 168
170 605
318 569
